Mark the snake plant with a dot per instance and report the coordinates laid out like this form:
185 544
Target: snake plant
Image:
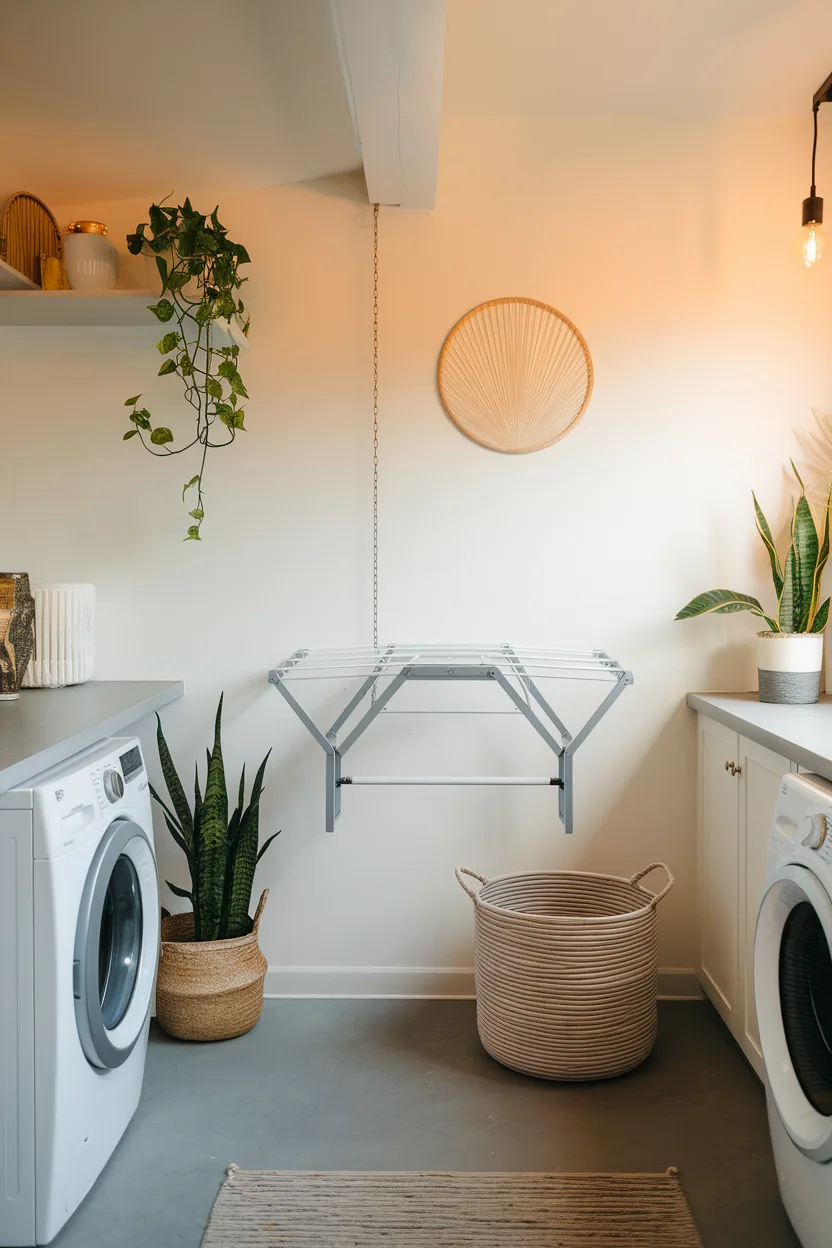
796 582
222 853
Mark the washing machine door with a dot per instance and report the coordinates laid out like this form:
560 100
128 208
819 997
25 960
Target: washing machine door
793 988
116 945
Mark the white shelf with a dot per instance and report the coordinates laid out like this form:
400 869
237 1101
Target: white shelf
114 308
10 279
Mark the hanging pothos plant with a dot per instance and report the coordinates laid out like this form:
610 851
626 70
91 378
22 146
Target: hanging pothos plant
197 263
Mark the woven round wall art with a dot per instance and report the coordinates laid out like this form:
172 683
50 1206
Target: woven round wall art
28 230
515 375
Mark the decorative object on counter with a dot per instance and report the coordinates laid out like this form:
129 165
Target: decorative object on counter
28 230
53 274
198 264
64 636
211 972
515 375
91 258
17 631
790 651
566 969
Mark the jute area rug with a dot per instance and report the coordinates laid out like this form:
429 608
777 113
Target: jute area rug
294 1209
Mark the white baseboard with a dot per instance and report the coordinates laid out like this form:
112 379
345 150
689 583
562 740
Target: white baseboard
450 983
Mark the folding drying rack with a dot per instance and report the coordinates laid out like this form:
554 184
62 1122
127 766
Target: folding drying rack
383 670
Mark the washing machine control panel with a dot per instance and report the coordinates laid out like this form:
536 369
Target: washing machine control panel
113 784
813 830
802 820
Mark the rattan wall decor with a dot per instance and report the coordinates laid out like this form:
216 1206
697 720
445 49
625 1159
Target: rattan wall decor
28 231
515 375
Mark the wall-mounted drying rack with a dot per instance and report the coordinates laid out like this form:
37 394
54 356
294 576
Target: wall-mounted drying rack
383 670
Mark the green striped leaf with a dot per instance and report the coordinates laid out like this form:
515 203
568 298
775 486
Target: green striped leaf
174 784
720 602
806 547
768 541
823 556
821 618
245 859
788 608
213 837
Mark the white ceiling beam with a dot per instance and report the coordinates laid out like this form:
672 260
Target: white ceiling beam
392 53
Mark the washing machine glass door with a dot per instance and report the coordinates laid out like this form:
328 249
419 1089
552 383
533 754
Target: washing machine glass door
116 945
793 988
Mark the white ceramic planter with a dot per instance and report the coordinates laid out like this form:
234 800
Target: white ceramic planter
91 259
788 666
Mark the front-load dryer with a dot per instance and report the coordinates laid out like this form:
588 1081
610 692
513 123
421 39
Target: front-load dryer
793 990
79 940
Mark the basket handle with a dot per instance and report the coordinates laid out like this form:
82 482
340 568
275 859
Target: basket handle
472 892
258 913
671 880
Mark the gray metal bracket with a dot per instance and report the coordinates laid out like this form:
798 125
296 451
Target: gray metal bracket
402 665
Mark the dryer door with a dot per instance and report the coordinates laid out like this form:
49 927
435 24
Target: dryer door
116 945
793 987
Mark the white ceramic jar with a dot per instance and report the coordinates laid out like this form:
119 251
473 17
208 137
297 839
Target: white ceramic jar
91 259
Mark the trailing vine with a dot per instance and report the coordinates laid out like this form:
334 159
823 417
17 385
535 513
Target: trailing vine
197 263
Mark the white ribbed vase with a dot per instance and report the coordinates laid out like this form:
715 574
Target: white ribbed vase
64 636
788 667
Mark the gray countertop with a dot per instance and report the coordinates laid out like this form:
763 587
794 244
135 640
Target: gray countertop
800 733
43 727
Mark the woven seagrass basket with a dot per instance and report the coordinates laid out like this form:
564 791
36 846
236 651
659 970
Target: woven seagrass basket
211 989
566 969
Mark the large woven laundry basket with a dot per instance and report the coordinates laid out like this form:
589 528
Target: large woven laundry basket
566 969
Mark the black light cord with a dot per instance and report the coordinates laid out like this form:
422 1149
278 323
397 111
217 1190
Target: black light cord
815 109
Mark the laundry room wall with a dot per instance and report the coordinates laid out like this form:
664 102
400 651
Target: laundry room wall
667 241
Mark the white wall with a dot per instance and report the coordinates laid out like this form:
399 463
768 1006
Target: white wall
668 244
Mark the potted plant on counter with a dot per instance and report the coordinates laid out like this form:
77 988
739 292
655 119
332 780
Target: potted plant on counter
790 650
211 969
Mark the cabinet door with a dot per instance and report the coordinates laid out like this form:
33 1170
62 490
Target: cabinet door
719 867
762 772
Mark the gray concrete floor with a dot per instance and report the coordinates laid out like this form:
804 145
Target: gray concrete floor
405 1085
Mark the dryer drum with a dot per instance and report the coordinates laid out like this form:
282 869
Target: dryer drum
806 1003
566 969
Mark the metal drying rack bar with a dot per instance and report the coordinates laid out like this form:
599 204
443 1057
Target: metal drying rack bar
383 670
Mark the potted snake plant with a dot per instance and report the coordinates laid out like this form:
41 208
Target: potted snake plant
790 649
211 969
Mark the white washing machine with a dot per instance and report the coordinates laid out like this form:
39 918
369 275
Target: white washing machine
793 989
79 939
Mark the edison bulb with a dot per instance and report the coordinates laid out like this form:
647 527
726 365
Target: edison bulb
812 245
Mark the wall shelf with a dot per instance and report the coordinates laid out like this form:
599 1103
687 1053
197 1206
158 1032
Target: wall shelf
113 308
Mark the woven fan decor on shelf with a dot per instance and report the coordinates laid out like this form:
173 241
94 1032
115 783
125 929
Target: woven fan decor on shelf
515 375
28 231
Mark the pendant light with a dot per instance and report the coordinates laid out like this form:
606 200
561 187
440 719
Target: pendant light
812 242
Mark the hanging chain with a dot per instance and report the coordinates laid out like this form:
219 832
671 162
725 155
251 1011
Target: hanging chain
375 427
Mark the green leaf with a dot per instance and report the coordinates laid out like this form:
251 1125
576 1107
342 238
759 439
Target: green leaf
135 241
267 843
193 534
205 243
213 387
242 255
141 418
163 310
188 485
720 602
821 618
823 556
245 859
788 607
178 279
806 547
228 368
186 368
214 829
168 367
168 343
204 312
161 436
768 542
158 220
131 433
178 838
130 402
162 266
197 514
237 386
173 784
180 892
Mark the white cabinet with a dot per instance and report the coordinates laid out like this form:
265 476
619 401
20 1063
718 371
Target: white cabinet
738 782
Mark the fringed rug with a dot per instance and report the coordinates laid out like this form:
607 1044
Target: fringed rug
299 1209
